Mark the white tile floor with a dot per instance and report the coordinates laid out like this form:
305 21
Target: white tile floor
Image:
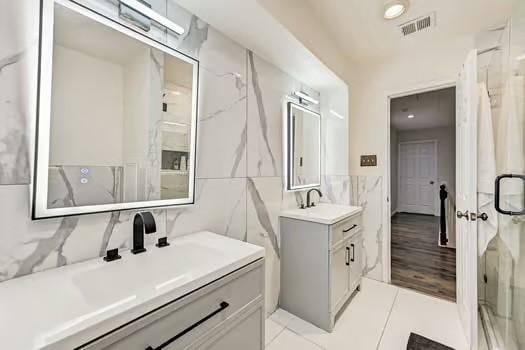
381 316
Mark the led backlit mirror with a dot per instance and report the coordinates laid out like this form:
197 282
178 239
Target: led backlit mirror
303 143
117 117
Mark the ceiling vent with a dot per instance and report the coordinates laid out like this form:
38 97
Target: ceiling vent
419 24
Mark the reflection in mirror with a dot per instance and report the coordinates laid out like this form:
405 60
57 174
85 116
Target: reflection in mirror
304 147
121 122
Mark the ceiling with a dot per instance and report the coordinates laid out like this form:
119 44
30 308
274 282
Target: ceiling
434 109
257 30
359 28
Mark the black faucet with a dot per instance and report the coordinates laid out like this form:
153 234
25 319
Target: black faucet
312 204
143 223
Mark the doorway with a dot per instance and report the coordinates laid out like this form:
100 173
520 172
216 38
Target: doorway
422 192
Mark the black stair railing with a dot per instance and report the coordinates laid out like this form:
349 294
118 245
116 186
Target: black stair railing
443 194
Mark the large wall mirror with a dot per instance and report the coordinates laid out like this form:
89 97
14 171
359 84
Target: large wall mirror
303 147
117 117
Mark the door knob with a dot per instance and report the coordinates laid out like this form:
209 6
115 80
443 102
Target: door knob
482 216
461 215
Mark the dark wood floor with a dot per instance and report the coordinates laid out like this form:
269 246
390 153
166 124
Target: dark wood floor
417 261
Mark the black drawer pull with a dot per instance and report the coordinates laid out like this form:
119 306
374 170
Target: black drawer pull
350 229
223 306
353 252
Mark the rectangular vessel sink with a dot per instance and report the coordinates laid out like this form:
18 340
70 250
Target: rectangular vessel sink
327 214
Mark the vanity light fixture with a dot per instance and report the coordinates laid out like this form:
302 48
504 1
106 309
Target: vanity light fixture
304 96
411 116
336 114
151 14
394 8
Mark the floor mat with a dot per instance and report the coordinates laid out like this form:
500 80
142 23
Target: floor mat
417 342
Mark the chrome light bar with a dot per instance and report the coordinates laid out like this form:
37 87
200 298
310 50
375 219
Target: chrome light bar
154 16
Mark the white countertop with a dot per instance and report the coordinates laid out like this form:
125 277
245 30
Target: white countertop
69 306
322 213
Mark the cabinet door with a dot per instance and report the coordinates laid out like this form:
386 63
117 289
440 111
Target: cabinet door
246 334
339 275
356 261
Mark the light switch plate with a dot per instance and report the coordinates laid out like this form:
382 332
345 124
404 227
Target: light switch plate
369 160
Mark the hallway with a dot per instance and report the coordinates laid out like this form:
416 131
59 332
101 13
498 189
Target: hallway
418 262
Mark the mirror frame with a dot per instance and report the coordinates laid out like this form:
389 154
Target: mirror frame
39 194
289 145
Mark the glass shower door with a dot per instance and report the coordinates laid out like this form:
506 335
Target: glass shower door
502 262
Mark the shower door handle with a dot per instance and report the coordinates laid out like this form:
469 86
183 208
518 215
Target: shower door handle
497 198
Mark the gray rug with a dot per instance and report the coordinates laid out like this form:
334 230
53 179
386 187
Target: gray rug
417 342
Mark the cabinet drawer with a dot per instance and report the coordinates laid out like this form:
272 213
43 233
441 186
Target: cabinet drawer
185 320
344 229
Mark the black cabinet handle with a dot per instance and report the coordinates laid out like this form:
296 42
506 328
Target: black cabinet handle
353 252
350 229
347 256
223 306
497 194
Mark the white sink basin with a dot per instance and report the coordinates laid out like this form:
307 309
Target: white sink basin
327 214
45 310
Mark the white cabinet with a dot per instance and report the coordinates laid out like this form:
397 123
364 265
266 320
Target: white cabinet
340 275
225 312
321 267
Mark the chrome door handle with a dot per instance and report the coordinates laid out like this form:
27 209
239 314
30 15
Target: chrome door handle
482 216
461 215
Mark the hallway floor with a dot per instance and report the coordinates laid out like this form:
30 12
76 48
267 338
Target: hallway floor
381 316
418 262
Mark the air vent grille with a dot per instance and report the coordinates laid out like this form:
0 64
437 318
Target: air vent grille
418 24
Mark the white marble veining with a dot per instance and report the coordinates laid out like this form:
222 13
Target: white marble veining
220 206
239 190
60 309
18 55
222 109
263 206
322 213
336 189
367 193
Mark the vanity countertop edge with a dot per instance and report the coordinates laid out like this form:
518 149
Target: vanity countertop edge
340 212
47 308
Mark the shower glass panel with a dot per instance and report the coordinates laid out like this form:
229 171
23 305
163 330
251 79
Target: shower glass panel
501 286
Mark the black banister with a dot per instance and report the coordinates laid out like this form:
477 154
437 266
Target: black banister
443 194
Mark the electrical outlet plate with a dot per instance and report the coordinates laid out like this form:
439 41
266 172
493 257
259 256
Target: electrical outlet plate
369 160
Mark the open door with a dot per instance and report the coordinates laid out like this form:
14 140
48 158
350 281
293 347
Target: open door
466 197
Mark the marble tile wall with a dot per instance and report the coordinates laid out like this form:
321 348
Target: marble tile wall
239 186
367 192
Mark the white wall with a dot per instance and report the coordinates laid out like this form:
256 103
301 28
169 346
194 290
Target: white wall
429 67
91 131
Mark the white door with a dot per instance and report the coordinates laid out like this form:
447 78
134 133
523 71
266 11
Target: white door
466 197
417 177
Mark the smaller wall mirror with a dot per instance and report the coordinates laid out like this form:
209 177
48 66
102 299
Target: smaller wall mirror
303 147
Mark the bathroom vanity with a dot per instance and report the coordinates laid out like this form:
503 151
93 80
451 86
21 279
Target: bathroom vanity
321 261
204 291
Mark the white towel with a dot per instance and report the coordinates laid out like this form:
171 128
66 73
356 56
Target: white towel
487 230
511 159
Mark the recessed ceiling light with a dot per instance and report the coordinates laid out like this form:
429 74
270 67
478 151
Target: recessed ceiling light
411 116
394 8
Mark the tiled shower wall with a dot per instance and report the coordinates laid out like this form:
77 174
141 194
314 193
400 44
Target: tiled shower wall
239 161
